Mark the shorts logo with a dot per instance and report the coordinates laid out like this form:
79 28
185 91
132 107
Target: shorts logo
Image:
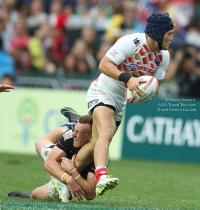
133 66
67 135
92 103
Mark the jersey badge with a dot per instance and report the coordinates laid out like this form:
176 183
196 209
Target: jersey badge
67 135
158 59
136 41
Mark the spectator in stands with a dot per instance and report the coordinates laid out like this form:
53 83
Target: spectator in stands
71 20
7 64
70 64
124 22
58 46
25 66
193 33
130 24
6 30
58 14
82 67
178 41
24 11
88 35
80 51
82 7
50 64
21 37
35 47
185 69
46 29
10 9
104 47
8 79
37 17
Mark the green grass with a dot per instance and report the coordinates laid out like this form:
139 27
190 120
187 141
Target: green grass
143 185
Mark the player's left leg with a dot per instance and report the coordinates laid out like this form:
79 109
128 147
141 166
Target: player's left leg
19 194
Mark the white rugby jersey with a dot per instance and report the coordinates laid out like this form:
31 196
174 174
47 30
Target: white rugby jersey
132 56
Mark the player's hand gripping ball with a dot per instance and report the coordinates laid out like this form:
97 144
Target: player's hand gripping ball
150 88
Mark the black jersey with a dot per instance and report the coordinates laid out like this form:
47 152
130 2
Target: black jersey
66 144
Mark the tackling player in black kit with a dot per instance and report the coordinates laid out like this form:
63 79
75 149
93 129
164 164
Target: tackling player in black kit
72 184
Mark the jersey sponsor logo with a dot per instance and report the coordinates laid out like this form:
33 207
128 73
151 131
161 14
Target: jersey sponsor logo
133 66
92 103
67 135
136 41
146 69
113 53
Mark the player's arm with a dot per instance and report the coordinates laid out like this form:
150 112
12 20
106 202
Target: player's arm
51 138
158 87
161 71
109 68
6 88
88 185
52 165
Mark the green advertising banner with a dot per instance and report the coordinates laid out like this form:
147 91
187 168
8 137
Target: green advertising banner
163 129
27 115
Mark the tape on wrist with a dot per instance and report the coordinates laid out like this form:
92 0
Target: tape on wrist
68 179
77 176
72 171
124 77
62 176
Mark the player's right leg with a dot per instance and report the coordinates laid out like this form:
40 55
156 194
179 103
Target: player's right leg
104 121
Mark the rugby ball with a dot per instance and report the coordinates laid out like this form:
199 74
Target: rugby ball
150 87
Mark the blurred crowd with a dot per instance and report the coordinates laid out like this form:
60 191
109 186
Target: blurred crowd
68 38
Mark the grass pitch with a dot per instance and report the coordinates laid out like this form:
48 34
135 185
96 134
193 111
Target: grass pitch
143 185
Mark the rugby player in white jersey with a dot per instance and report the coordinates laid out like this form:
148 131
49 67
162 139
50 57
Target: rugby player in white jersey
129 58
